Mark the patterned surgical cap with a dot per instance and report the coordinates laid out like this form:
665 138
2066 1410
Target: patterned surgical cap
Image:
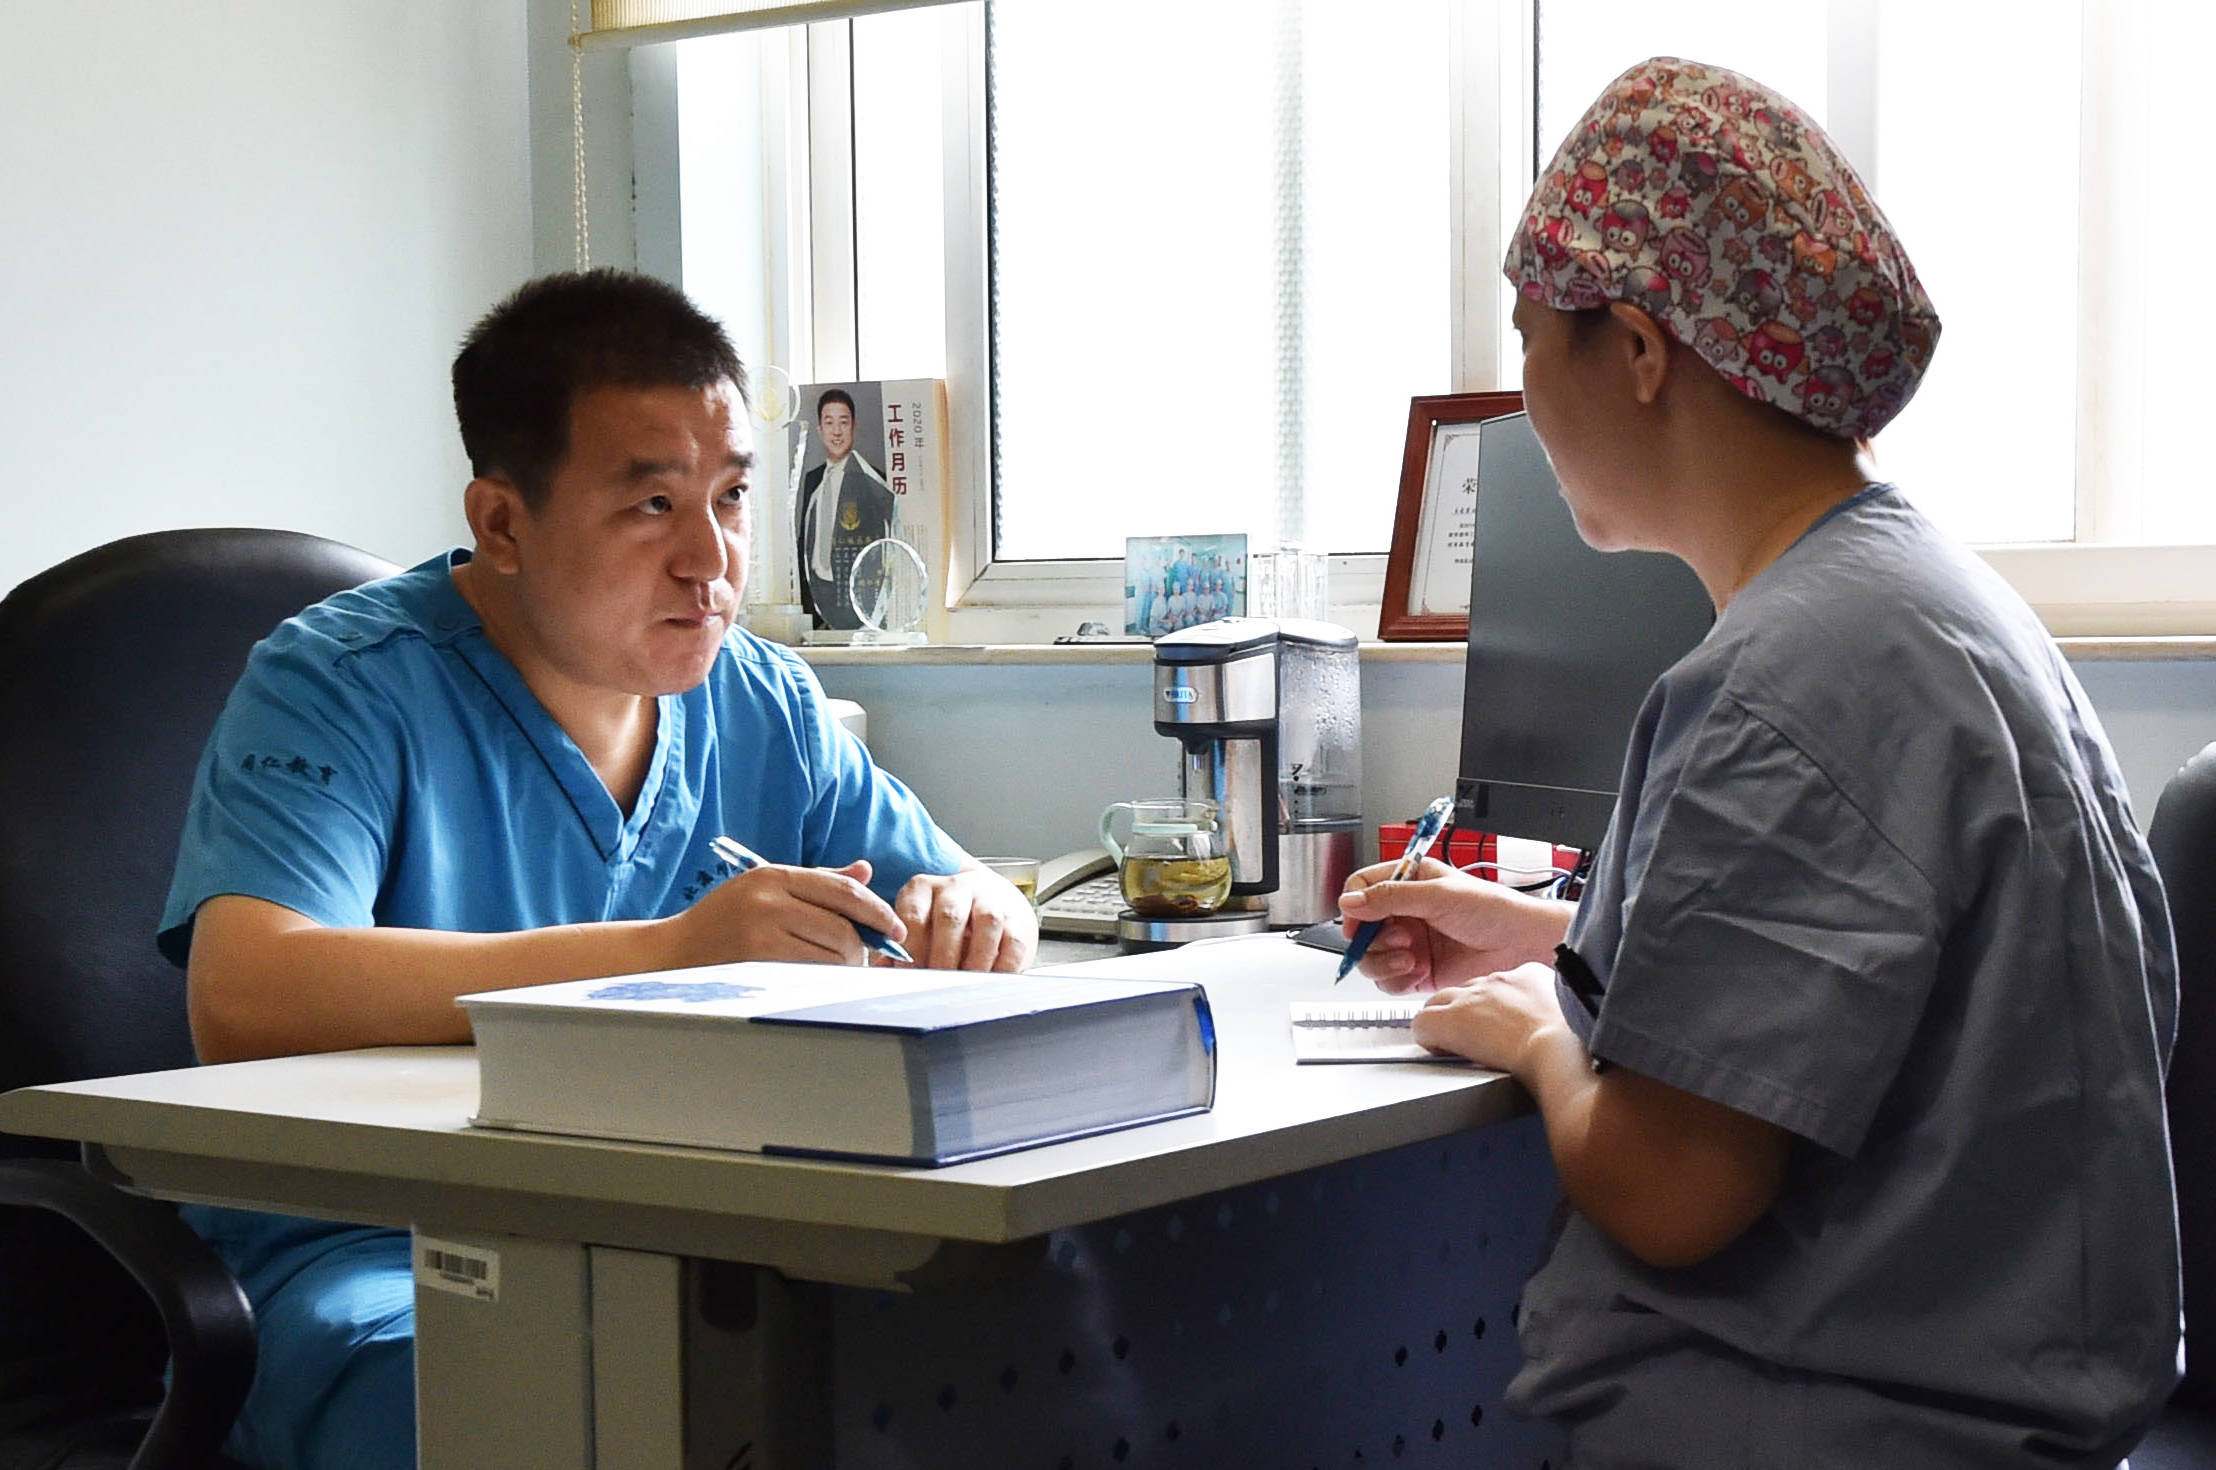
1715 205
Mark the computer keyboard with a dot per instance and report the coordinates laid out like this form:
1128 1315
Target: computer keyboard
1089 907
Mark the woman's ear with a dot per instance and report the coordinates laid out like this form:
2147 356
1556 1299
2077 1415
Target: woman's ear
495 507
1647 347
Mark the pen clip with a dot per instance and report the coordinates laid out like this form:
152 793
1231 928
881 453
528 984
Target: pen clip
1420 841
734 854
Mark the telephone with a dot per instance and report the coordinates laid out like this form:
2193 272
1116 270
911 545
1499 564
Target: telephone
1080 893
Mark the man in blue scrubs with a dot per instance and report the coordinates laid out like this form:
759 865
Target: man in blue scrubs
1865 1142
505 767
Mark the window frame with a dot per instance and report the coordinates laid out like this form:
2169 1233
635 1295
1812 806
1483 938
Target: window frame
993 594
2080 588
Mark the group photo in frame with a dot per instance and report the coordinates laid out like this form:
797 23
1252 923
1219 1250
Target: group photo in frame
1176 582
1427 569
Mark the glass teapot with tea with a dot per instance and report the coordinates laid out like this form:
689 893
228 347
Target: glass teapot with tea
1175 863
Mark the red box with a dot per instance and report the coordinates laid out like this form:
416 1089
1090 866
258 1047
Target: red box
1468 847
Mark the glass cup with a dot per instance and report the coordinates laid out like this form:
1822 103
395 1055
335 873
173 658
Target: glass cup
1290 582
1175 864
1023 872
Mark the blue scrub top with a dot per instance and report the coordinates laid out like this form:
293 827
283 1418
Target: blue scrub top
381 763
1873 878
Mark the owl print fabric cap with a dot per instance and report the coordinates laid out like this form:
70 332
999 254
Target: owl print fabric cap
1715 205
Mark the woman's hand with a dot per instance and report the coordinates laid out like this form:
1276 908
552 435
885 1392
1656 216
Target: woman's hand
1493 1019
1671 1176
1443 926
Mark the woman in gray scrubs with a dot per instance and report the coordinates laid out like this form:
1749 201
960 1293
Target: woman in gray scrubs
1864 1134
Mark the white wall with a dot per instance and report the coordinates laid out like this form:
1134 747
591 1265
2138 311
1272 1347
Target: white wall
1020 760
239 242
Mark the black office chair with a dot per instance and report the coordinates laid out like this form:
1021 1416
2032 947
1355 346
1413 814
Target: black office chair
113 667
2183 836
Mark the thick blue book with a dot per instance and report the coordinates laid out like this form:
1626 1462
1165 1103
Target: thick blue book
885 1065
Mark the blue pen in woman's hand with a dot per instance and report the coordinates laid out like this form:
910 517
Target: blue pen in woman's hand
1428 827
745 859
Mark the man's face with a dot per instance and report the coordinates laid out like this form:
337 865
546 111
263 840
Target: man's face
629 573
836 423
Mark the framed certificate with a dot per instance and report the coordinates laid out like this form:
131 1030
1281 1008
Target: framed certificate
1427 572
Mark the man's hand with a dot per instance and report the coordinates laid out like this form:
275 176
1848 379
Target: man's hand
971 920
776 912
1443 926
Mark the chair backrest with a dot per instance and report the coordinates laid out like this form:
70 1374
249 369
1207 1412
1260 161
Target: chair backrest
113 667
2183 836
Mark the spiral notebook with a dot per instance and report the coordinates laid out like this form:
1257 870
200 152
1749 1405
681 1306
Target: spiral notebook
1359 1031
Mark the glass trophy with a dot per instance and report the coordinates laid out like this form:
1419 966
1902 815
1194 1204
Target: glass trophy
888 585
776 401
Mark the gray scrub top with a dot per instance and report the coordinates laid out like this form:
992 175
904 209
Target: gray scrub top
1873 877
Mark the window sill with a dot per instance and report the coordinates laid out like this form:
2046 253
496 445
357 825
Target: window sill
835 655
2077 650
2136 650
2116 595
2103 602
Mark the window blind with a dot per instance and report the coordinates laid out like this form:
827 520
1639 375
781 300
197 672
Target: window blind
650 22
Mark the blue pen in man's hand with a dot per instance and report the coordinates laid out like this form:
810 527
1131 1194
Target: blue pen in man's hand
1428 827
745 859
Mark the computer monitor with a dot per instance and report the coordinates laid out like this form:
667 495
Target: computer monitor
1564 643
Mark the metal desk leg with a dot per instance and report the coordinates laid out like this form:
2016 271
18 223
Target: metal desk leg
638 1360
703 1365
758 1370
569 1357
503 1352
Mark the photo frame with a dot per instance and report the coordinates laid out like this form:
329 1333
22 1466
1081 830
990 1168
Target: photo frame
1174 582
1424 598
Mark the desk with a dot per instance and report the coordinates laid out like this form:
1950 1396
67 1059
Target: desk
605 1323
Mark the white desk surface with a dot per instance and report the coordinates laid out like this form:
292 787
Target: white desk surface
383 1137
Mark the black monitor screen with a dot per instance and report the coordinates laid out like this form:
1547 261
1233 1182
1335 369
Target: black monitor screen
1564 643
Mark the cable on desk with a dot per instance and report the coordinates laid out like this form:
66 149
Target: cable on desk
1561 883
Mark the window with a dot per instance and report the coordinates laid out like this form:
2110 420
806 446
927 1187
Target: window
2021 164
1206 310
1583 45
1210 310
1982 457
2011 487
899 196
1265 250
2144 101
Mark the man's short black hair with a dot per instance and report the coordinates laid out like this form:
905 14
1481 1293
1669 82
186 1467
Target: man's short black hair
835 395
526 362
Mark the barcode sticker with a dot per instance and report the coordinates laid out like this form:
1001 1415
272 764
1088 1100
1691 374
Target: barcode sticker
466 1270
